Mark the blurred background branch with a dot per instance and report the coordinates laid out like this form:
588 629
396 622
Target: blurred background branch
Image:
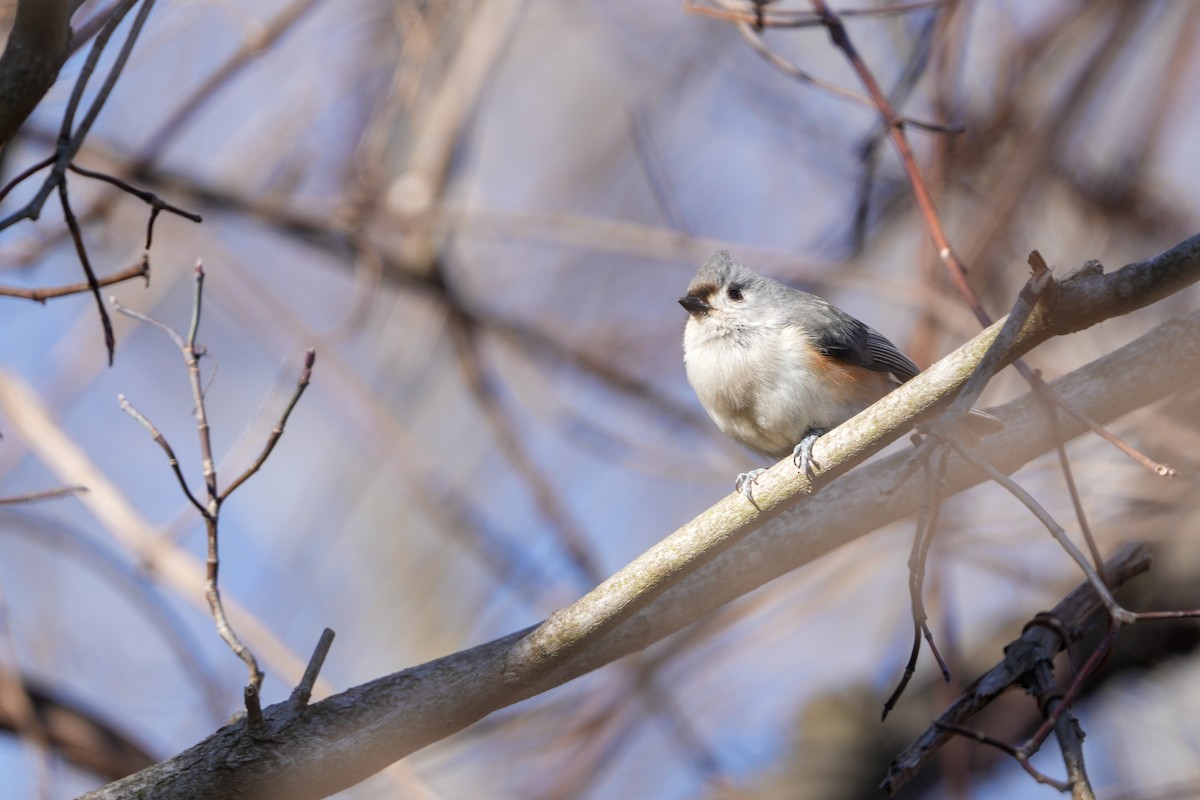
481 213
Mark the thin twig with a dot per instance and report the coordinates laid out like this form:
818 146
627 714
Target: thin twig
138 270
1020 757
1064 464
997 353
212 594
23 176
1014 488
45 494
935 483
198 294
1161 470
121 308
110 339
210 509
162 442
1189 614
310 358
156 203
747 32
213 562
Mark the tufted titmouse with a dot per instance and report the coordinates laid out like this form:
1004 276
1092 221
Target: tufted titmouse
776 367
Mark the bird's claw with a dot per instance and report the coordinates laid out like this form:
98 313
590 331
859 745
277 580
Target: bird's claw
744 481
802 456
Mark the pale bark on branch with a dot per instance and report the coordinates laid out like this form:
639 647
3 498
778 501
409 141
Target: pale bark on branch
724 553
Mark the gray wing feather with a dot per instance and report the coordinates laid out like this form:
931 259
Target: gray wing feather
888 356
844 338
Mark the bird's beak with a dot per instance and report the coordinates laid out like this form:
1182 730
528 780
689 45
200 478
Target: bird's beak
696 306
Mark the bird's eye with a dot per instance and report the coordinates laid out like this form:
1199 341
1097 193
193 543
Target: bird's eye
734 293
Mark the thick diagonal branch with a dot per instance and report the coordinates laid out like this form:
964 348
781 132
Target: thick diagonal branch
342 740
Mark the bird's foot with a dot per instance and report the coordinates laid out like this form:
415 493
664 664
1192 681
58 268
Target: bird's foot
802 456
745 480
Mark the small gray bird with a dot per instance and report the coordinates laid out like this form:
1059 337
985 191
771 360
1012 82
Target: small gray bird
776 367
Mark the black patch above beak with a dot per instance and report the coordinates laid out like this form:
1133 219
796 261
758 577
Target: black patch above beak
695 305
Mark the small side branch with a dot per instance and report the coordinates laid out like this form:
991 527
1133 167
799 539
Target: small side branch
156 203
162 326
138 270
1161 470
310 358
1020 756
162 442
45 494
303 691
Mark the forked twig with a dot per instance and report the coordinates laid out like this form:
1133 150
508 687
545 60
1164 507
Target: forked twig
210 507
947 427
752 37
71 137
156 203
922 540
1017 753
1045 636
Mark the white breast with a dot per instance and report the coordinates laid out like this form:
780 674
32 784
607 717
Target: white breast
758 386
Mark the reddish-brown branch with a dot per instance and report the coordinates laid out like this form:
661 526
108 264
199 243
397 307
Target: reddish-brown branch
895 127
138 270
